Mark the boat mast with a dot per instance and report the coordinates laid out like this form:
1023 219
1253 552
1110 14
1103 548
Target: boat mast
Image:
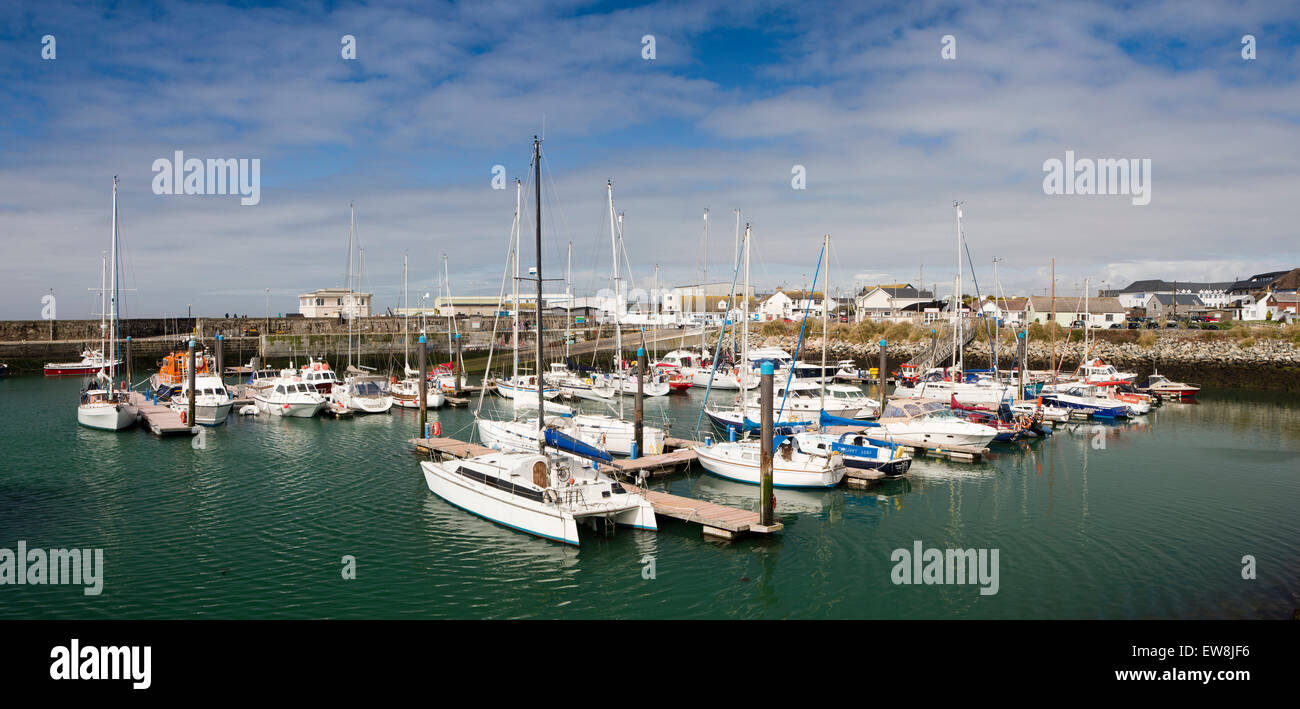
744 338
537 187
957 353
446 282
406 315
103 306
514 298
618 328
704 286
568 297
735 259
112 313
352 225
826 306
654 307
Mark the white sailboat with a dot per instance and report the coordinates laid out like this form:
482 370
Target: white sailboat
405 392
791 468
103 405
538 492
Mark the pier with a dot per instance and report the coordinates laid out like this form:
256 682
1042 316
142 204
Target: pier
160 419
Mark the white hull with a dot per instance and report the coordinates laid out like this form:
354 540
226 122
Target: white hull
510 391
293 409
368 404
549 518
740 462
206 414
615 435
940 433
648 389
406 395
106 417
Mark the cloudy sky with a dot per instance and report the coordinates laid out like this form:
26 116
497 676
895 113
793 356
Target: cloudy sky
888 131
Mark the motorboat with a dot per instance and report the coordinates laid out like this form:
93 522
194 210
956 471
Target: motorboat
939 383
291 397
931 423
1096 371
791 468
365 394
212 401
406 393
317 374
1160 384
523 385
803 399
174 372
1083 399
575 385
92 362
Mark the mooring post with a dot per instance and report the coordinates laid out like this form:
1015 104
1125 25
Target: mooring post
221 370
455 367
638 412
883 379
1020 360
767 501
423 395
189 399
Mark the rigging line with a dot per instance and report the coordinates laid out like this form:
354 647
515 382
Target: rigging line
496 318
988 330
717 350
790 375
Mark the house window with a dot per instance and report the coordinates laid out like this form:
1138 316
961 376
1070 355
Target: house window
340 301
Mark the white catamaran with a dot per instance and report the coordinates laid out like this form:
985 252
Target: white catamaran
541 493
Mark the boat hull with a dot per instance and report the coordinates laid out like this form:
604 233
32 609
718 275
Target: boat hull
106 417
538 519
782 477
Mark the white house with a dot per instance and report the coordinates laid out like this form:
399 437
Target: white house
1011 311
887 301
329 302
1098 312
792 305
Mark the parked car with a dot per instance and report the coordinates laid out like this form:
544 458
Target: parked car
1152 326
1134 324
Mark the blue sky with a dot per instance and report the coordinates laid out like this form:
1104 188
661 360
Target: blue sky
737 94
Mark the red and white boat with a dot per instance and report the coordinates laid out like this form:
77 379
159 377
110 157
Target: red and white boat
92 362
1159 384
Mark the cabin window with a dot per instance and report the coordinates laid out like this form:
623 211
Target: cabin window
279 390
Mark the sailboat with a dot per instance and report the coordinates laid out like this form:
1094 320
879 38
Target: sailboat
539 492
102 404
405 392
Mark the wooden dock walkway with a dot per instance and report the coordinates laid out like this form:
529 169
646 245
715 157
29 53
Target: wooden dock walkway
449 447
716 520
652 465
160 419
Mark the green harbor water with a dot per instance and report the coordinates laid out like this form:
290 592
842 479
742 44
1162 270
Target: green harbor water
1146 519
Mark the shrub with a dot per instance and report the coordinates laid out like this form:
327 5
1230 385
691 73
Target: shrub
1147 340
1247 342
